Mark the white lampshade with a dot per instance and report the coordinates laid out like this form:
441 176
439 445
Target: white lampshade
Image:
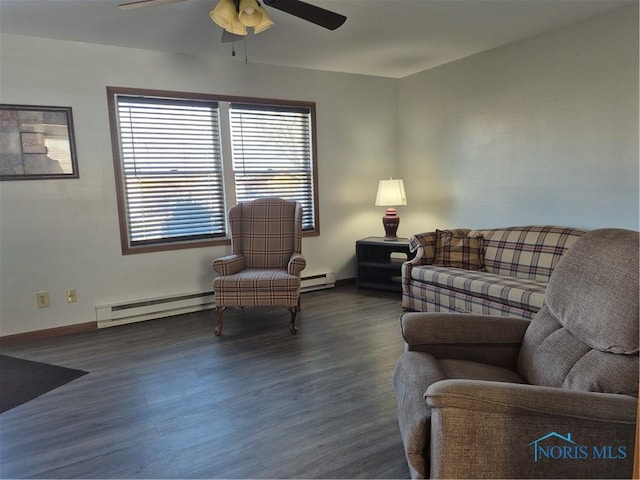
390 193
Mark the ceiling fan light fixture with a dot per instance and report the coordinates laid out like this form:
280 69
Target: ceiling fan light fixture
237 27
250 13
223 13
265 23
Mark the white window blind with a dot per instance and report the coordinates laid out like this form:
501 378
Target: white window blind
272 154
172 169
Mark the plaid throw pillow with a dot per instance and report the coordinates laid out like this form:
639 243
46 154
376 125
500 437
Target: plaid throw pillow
459 251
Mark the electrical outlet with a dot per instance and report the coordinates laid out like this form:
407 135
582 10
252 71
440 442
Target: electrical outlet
72 296
43 300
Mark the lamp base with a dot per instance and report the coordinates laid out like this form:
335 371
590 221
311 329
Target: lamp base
390 221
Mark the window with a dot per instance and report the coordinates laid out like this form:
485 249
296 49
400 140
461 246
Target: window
272 155
170 167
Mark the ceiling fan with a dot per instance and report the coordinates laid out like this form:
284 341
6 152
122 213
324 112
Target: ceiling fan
235 15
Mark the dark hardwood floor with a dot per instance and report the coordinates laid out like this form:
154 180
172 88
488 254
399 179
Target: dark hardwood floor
168 399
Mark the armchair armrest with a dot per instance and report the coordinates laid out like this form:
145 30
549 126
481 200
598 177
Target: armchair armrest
517 431
481 338
297 263
229 264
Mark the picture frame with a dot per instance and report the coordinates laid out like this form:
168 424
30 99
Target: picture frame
37 143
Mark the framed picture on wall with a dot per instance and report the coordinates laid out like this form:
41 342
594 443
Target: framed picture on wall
37 143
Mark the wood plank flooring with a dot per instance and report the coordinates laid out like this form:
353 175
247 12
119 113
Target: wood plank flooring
168 399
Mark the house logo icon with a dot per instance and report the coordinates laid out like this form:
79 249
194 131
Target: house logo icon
540 450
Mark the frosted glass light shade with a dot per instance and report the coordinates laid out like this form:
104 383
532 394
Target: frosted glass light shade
223 13
265 23
250 14
237 27
236 21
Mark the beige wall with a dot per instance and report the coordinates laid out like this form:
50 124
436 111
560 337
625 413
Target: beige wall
61 234
540 131
544 130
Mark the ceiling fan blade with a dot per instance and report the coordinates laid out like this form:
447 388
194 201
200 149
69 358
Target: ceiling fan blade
145 3
308 12
228 37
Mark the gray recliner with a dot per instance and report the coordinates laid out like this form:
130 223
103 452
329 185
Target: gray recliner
554 397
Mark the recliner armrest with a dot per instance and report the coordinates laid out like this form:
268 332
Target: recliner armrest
297 263
422 328
229 264
526 399
481 338
506 430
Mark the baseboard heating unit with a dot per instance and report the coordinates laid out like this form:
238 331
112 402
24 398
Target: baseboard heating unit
160 307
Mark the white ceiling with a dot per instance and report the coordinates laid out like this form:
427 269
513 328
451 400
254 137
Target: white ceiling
389 38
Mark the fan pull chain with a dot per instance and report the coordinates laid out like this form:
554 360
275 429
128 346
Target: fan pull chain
233 50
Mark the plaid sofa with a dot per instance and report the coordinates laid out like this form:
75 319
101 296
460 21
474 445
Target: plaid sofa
508 278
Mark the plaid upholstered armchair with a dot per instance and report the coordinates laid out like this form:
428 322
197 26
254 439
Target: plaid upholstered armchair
266 261
554 397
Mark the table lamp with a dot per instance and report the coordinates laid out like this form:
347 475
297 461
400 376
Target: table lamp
390 194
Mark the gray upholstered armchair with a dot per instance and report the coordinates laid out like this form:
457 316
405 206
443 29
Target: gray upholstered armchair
554 397
266 261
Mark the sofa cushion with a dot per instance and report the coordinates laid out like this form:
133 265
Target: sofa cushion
530 252
459 251
427 242
517 292
426 297
465 369
257 287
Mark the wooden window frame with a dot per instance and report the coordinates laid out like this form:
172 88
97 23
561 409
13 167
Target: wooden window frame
229 193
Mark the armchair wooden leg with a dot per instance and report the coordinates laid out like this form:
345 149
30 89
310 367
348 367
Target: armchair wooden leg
292 326
219 311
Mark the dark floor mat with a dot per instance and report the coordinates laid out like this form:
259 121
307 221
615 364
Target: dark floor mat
23 380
